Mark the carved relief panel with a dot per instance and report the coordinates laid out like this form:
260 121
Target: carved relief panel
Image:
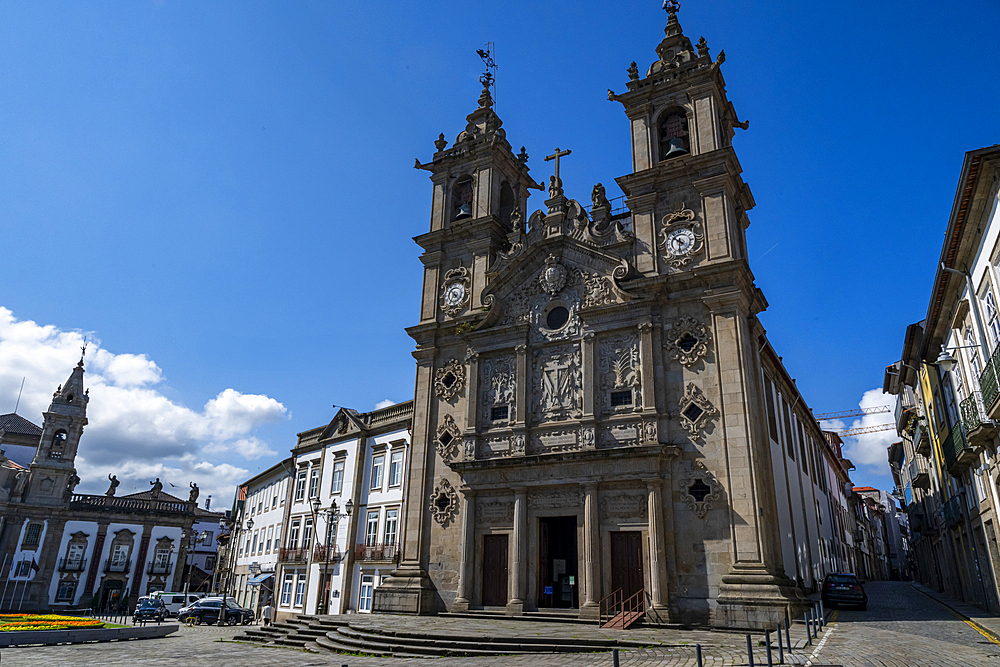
699 489
498 380
557 383
686 340
695 410
620 384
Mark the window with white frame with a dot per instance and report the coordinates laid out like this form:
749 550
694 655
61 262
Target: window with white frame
300 589
314 483
337 483
270 534
253 546
992 321
365 594
391 526
119 557
959 379
371 528
161 559
277 536
246 548
307 534
23 568
281 492
378 462
66 591
286 589
293 534
973 352
74 555
300 485
396 469
32 536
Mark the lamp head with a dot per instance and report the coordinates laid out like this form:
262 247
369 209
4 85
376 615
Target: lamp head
315 504
946 361
249 524
349 507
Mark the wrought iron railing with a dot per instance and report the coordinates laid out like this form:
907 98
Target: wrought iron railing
117 565
973 411
617 611
293 555
72 564
159 568
371 552
327 554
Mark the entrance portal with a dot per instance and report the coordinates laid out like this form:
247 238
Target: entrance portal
557 575
494 570
626 562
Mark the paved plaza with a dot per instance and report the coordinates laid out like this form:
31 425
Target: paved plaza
901 627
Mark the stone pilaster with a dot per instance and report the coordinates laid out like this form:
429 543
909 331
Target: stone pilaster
657 558
590 608
465 574
519 554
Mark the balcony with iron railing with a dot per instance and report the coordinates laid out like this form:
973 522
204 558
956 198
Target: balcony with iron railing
921 439
160 569
952 511
293 555
920 473
72 564
906 407
376 552
322 553
979 428
958 453
111 565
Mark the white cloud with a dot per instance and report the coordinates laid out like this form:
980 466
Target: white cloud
869 449
134 430
384 404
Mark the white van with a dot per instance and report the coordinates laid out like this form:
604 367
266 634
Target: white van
176 601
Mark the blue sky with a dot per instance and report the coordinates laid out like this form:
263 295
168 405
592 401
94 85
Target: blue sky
221 195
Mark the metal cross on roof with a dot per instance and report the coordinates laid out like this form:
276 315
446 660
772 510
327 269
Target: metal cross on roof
555 156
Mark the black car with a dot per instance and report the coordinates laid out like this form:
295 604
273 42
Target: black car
844 589
207 610
149 610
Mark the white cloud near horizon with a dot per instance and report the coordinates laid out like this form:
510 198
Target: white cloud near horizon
135 431
385 403
869 449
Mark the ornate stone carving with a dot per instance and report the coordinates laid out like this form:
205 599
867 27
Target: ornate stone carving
495 512
680 237
558 383
597 291
497 446
553 276
517 444
444 503
695 410
449 379
686 340
649 431
446 441
588 437
455 291
624 505
620 378
469 445
621 434
561 440
699 489
499 382
548 500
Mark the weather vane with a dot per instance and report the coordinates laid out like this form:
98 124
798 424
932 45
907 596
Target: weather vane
488 79
672 6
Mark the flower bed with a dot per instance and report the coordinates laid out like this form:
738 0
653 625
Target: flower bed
22 622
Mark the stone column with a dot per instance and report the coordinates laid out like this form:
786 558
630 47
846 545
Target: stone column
590 609
657 558
519 554
465 576
471 404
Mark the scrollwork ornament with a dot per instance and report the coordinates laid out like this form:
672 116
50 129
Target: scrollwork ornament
455 291
649 431
444 503
517 444
699 489
680 237
447 438
449 380
553 276
686 340
470 448
695 410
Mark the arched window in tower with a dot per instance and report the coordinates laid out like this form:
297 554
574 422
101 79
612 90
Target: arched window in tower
507 201
674 136
58 442
461 199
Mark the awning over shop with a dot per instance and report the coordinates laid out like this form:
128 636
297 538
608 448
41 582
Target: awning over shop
260 578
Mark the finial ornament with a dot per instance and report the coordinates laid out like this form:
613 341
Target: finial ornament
488 78
672 6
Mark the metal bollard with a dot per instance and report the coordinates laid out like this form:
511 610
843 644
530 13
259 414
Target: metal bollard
822 612
697 652
781 648
767 642
749 652
614 657
809 639
788 633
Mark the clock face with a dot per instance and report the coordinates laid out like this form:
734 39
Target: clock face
680 241
455 294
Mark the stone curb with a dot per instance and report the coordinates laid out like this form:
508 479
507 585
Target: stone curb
931 595
50 637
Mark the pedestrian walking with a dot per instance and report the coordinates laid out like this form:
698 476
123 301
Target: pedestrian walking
267 613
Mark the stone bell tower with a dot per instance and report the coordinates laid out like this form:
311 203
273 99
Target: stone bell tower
52 471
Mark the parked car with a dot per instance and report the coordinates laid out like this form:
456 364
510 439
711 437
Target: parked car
176 601
207 610
842 588
148 610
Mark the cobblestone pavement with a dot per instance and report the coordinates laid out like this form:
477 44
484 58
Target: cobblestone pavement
901 627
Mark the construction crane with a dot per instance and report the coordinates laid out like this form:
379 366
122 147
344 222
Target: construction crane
865 429
856 412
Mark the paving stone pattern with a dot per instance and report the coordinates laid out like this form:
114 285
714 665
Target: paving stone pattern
901 627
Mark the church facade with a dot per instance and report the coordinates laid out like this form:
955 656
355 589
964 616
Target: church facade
590 409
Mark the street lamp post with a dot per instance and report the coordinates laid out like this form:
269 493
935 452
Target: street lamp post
193 542
231 560
333 517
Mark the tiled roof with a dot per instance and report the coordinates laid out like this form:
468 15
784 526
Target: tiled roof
15 424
